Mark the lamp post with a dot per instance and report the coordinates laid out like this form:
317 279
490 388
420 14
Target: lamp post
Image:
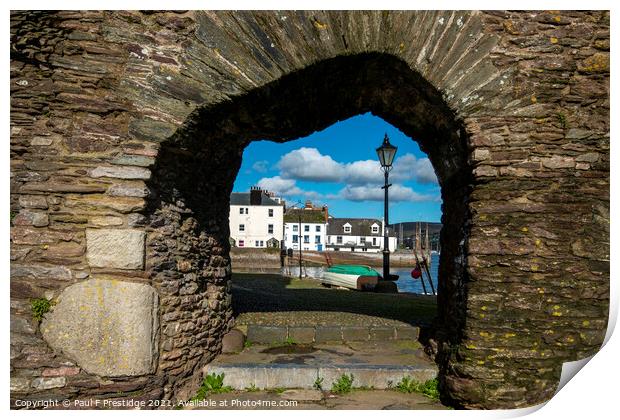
386 153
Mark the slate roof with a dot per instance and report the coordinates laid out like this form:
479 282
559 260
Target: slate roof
307 216
359 227
243 199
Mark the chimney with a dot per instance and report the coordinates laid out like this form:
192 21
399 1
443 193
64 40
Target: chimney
308 205
256 195
325 212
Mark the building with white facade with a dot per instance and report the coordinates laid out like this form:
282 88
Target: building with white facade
306 228
256 220
357 235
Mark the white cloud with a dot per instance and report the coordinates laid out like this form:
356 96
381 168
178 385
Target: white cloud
309 164
261 166
397 193
286 188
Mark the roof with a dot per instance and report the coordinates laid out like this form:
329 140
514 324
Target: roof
307 216
359 227
243 199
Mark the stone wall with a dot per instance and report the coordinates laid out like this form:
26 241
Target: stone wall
127 131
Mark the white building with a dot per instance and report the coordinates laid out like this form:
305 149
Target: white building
357 235
306 227
256 220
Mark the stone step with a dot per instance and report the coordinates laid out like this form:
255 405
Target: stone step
242 376
380 365
268 334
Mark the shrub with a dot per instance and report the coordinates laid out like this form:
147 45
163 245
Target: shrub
211 384
428 388
343 385
40 307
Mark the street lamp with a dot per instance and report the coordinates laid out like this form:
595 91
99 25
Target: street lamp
386 153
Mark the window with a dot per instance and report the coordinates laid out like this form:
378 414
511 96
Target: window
241 243
306 239
241 210
347 228
362 239
338 239
241 228
375 229
270 212
374 241
262 243
295 228
270 228
306 228
256 243
317 239
318 228
295 239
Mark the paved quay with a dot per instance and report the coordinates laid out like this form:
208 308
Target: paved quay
294 400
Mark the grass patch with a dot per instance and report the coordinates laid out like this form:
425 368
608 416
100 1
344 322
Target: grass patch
343 385
252 388
318 384
279 390
429 388
40 307
211 384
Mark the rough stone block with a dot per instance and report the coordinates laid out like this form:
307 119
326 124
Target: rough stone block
121 172
20 384
115 248
327 334
49 383
266 334
109 327
233 341
381 333
355 333
407 333
301 334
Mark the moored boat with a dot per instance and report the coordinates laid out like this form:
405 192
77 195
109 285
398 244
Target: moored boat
357 277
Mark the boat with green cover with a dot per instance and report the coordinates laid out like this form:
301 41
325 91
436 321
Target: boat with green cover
357 277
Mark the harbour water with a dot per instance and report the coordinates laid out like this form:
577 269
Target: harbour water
405 282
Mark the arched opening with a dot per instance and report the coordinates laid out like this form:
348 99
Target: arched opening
196 169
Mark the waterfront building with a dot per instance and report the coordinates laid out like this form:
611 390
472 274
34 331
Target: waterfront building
305 227
357 235
256 219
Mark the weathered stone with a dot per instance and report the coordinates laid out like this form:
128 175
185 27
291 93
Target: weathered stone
326 334
39 272
33 201
31 218
106 221
128 190
232 342
61 371
20 384
115 248
41 141
558 162
94 201
121 172
134 160
49 383
301 334
118 325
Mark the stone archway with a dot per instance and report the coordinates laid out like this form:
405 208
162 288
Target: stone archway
128 128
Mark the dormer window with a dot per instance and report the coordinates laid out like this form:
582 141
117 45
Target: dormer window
375 228
347 228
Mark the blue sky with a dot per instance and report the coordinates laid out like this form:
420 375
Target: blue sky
339 167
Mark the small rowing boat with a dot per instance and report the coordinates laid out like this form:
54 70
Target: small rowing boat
357 277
